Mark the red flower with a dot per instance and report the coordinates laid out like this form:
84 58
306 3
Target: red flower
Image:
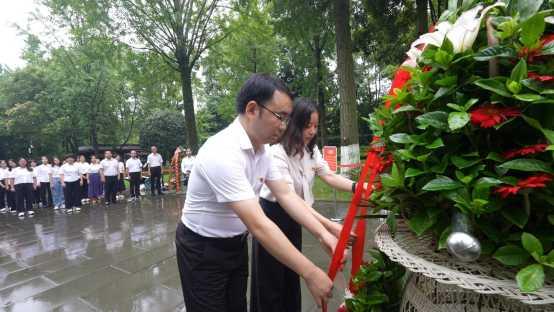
489 115
506 191
342 308
536 181
541 78
401 77
527 150
531 54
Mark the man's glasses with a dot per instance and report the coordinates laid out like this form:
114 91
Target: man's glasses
284 119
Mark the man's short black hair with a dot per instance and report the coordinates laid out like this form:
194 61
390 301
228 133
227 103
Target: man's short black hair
259 88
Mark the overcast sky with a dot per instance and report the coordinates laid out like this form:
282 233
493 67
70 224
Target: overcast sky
11 43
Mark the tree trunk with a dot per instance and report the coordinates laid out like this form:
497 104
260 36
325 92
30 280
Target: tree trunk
317 50
350 149
422 19
191 134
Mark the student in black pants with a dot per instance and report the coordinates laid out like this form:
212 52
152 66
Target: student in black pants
4 185
109 173
24 183
133 167
44 174
71 182
154 161
10 196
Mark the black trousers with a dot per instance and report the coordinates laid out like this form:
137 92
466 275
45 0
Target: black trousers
155 176
72 194
3 193
24 196
10 197
110 188
213 271
36 195
45 194
84 189
274 287
135 184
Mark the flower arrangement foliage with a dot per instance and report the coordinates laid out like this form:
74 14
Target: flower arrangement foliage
471 130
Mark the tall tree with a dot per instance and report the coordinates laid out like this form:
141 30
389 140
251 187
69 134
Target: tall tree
180 31
350 148
422 16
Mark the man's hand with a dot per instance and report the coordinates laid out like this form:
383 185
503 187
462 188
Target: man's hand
319 284
335 229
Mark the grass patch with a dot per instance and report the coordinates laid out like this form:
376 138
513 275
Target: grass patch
323 191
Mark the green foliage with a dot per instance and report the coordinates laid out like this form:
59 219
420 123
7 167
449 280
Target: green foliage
455 162
166 124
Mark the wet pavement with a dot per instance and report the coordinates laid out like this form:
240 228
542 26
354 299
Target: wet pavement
119 258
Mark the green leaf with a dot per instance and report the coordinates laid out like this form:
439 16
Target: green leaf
442 183
516 215
527 8
548 49
520 71
530 278
462 163
391 222
495 51
548 260
482 187
436 119
442 92
549 134
551 218
528 97
493 85
456 107
405 108
531 244
528 165
457 120
444 237
531 30
401 138
376 298
413 172
447 81
511 255
495 156
436 144
421 222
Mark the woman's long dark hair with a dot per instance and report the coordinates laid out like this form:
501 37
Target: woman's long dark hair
293 138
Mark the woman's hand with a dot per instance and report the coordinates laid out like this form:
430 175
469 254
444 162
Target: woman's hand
336 228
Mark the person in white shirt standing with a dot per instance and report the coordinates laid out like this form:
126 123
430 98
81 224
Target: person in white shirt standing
70 176
154 161
83 170
121 181
56 184
274 287
44 175
186 165
221 206
25 183
109 174
10 197
95 186
4 185
134 166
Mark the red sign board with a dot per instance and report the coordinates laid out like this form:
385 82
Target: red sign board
330 156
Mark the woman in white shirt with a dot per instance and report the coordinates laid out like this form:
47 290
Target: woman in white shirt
43 173
274 287
56 185
121 181
11 189
25 183
4 186
83 170
72 181
95 186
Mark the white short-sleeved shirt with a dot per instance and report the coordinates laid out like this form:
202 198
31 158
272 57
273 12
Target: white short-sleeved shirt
187 163
83 167
133 165
94 168
121 167
3 173
110 167
56 170
299 172
22 175
154 160
226 170
43 173
71 173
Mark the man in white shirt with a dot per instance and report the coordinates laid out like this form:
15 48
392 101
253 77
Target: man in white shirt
134 166
44 173
4 186
154 161
222 206
186 165
109 174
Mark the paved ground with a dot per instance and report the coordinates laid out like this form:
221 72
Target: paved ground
120 258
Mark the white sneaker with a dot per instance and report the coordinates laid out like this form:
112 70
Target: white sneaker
21 214
62 206
3 210
56 207
77 208
30 212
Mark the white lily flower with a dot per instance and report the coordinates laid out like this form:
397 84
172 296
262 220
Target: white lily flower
465 30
